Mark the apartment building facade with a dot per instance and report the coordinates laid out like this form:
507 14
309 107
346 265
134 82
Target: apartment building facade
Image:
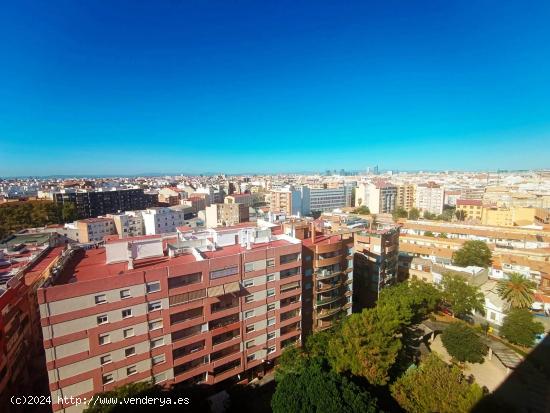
375 264
94 229
91 204
204 307
221 215
471 208
405 196
128 224
25 262
162 220
429 198
379 196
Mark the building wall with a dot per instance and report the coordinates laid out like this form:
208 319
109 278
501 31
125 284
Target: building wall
208 335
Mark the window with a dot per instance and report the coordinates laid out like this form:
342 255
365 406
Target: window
155 325
271 349
127 313
131 370
153 287
105 359
130 351
271 335
270 262
271 307
107 378
224 272
251 357
159 378
250 344
249 314
249 298
250 328
128 332
102 319
104 339
271 321
248 283
308 286
183 280
248 266
161 358
270 277
155 305
125 294
101 298
271 292
157 342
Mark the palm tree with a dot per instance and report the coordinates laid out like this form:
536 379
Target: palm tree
516 290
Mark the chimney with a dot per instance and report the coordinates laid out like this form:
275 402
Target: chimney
130 263
312 232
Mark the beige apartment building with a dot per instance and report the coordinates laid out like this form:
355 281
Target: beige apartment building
220 215
405 196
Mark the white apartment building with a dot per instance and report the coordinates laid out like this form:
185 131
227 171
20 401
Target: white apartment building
379 196
162 220
128 224
325 199
429 198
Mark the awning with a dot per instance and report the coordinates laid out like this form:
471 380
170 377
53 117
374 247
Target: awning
233 287
290 286
216 291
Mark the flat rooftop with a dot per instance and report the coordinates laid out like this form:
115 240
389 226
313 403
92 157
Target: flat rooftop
92 264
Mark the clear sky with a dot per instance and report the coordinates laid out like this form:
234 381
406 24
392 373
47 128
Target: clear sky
108 87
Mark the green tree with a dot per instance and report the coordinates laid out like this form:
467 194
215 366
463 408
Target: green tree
293 360
368 344
413 301
443 235
316 389
69 212
460 215
462 297
399 212
463 343
516 290
429 215
414 214
473 253
520 328
428 234
197 401
362 210
435 387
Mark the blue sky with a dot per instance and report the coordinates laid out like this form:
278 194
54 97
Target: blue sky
95 87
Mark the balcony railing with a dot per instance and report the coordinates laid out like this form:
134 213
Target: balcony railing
222 322
328 300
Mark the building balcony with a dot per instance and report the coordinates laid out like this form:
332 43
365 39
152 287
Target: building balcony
323 274
324 313
329 286
223 322
328 300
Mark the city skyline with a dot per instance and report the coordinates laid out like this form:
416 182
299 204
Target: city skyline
259 88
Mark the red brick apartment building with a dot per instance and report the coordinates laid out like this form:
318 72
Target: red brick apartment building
25 263
203 307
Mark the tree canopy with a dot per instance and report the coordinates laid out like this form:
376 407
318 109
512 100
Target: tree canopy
463 343
317 389
473 253
435 387
517 290
367 344
399 212
362 210
15 216
414 214
520 328
462 297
